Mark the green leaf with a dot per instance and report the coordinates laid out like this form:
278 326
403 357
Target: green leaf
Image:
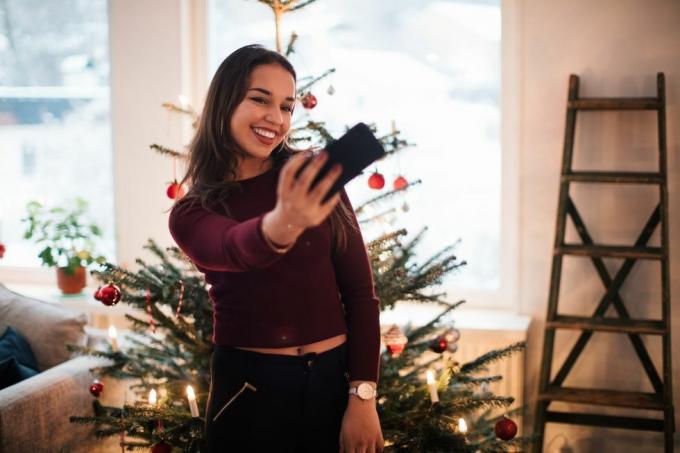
46 256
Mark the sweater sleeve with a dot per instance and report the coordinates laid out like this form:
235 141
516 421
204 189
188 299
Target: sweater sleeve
218 243
362 306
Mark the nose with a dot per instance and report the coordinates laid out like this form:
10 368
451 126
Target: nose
274 116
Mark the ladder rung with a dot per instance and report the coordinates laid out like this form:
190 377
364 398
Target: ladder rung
643 326
607 421
615 104
611 251
604 397
613 177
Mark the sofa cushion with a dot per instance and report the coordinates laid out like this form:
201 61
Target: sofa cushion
13 344
11 372
48 327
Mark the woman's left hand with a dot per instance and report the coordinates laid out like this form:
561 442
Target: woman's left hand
360 432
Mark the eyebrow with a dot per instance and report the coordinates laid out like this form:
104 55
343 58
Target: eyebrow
268 93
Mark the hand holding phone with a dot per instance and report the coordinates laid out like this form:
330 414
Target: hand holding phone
355 150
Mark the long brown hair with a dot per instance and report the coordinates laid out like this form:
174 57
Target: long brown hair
213 152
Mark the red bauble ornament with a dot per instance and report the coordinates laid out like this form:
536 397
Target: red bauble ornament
399 183
439 344
395 349
376 181
309 101
505 429
96 388
2 250
395 341
175 191
108 295
161 447
97 295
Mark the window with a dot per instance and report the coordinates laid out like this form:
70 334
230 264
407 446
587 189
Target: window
433 67
54 116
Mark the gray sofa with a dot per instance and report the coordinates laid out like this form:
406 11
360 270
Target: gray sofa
34 413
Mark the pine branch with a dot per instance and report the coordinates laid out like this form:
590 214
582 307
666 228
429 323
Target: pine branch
304 89
167 151
417 333
385 196
301 5
291 43
480 363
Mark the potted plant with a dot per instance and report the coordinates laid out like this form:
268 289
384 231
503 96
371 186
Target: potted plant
69 244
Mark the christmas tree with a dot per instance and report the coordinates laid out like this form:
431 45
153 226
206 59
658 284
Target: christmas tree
427 401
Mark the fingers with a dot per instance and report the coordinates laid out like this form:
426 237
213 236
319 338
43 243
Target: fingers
309 173
321 189
329 205
290 169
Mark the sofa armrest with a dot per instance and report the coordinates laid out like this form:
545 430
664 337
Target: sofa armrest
34 413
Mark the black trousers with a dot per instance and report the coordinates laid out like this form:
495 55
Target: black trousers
276 403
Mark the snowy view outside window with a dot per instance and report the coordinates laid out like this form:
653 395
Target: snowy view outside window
55 139
431 66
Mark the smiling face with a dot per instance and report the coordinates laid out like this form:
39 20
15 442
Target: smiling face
262 119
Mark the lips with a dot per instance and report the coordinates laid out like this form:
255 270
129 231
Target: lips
264 140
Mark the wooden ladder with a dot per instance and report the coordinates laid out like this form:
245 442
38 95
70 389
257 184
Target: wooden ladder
552 389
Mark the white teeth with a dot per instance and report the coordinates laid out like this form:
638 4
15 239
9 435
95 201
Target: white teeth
264 133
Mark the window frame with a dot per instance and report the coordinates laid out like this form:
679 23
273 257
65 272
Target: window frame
186 25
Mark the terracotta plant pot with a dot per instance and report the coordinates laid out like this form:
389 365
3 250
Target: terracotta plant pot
71 284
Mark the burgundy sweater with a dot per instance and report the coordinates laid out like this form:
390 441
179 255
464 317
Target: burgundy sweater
265 299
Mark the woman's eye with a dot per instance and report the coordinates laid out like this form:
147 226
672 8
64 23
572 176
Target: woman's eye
288 109
259 100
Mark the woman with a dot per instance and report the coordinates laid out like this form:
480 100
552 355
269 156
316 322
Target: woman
295 316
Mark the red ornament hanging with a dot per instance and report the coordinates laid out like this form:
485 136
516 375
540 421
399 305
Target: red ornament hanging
309 101
376 181
452 336
96 294
2 250
505 428
96 388
108 295
175 191
439 345
400 183
395 341
161 447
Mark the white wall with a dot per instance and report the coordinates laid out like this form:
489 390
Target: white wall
149 61
616 47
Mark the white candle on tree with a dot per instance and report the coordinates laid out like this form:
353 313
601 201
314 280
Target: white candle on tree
113 336
462 426
432 386
153 402
192 401
152 397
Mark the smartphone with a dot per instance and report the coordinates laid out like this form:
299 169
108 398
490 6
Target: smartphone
355 150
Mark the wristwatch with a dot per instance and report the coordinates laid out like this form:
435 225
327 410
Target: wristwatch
365 391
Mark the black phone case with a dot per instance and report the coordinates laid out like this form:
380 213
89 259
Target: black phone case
355 150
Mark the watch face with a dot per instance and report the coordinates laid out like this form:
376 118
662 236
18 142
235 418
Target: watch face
365 391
